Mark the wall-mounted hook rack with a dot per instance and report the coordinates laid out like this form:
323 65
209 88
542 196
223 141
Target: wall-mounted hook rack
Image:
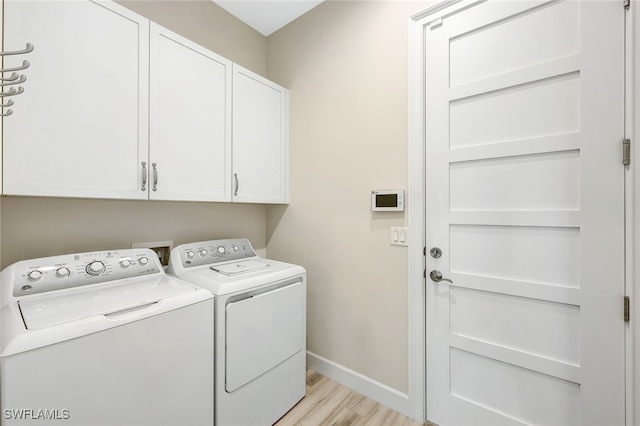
13 79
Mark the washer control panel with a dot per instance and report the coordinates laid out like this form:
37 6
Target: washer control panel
73 270
211 252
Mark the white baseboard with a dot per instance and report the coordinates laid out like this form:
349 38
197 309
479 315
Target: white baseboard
360 383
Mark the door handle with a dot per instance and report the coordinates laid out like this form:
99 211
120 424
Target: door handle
436 276
155 176
237 182
144 176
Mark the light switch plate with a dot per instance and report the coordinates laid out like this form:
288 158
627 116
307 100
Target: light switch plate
399 236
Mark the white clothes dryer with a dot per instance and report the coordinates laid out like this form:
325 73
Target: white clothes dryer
104 338
260 328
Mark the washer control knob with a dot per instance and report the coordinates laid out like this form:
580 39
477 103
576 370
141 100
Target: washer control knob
34 275
95 268
221 250
235 248
203 252
190 254
125 263
143 261
62 272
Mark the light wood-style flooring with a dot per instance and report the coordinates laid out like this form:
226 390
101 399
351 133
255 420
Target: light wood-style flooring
328 403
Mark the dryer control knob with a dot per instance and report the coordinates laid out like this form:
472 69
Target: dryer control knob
143 261
125 263
203 252
221 250
95 268
190 254
62 272
34 275
236 248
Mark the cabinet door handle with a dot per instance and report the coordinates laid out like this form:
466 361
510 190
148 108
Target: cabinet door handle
155 177
144 176
235 176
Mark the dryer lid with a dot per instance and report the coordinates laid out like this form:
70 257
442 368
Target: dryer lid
47 311
237 268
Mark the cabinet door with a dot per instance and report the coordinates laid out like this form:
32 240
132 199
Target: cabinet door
80 127
260 139
190 121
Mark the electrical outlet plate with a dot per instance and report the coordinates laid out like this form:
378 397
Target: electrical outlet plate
162 249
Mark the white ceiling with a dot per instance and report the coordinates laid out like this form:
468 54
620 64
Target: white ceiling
267 16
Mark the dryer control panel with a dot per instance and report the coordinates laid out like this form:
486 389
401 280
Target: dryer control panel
211 252
73 270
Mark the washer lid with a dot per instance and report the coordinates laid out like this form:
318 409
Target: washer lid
47 311
246 266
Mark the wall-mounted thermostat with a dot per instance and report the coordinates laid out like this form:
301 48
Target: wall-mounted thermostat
387 200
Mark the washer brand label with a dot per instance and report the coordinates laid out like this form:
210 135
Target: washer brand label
36 414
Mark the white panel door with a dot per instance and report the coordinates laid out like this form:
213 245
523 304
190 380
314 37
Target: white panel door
524 197
190 120
260 139
81 128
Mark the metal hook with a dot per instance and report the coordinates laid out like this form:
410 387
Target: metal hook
28 49
6 114
12 77
24 66
8 104
22 79
12 92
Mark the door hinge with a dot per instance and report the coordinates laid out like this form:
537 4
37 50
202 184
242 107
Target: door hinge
627 4
626 152
627 308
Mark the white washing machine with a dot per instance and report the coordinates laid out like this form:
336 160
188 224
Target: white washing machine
260 328
104 338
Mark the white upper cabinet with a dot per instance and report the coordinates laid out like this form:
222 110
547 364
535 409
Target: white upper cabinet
80 127
117 107
260 139
190 120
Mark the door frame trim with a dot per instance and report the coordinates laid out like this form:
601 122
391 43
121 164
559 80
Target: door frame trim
632 211
416 208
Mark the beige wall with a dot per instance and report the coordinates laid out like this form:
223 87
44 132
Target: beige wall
34 227
207 24
346 65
